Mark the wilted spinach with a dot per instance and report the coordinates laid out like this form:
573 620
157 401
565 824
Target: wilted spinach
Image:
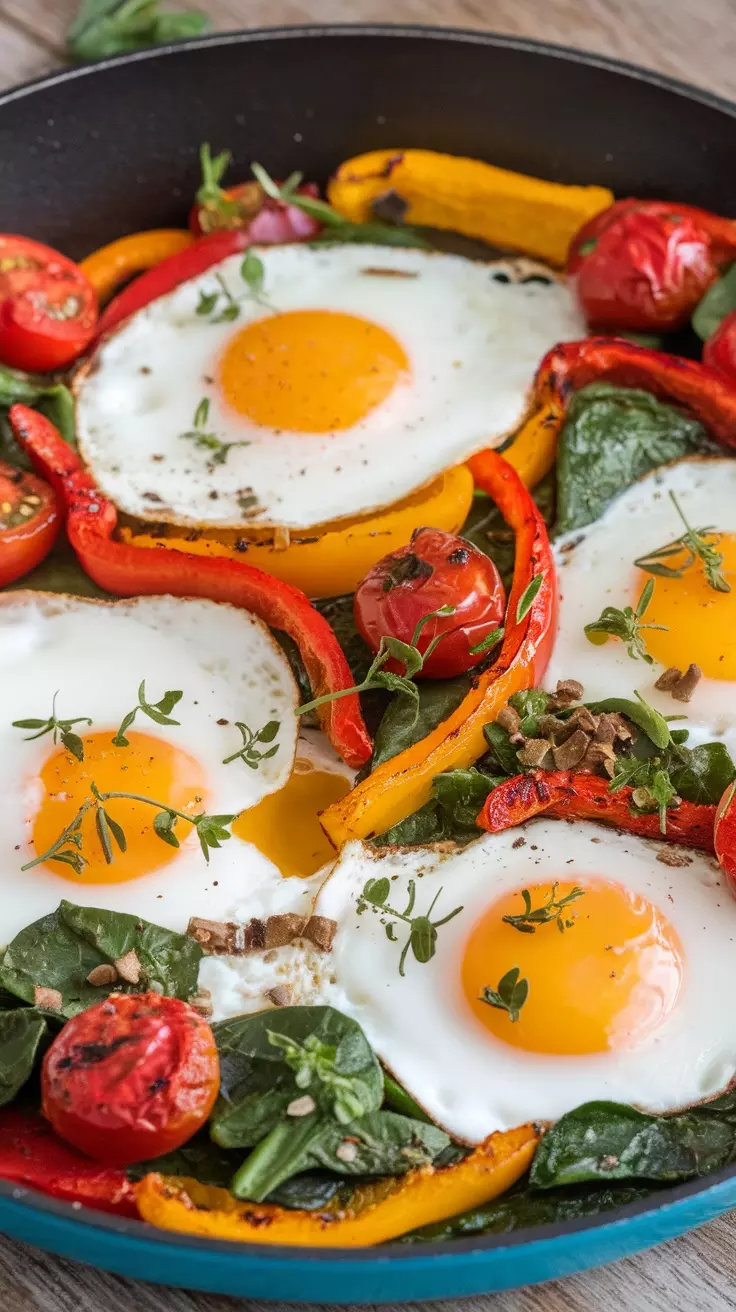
523 1208
61 949
22 1033
450 814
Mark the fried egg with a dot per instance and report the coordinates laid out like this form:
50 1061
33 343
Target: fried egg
620 1004
596 569
351 377
84 662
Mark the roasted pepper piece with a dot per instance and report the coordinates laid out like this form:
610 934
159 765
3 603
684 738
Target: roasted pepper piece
389 1208
32 1155
468 196
705 393
143 571
113 265
567 795
330 560
404 783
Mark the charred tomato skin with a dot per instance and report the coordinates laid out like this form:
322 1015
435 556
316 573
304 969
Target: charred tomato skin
720 350
436 569
131 1078
29 522
48 309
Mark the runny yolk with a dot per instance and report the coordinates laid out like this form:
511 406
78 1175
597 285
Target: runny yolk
700 622
149 766
606 982
285 825
311 371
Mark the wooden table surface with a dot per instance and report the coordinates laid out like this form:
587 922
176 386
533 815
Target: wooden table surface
694 41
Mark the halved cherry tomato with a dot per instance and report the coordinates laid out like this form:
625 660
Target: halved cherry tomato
435 570
48 309
268 221
131 1077
29 522
725 834
720 350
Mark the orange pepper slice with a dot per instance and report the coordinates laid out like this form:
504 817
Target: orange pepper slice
389 1208
330 560
403 784
110 266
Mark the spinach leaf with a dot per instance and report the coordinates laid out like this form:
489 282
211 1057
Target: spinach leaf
719 300
401 726
397 1098
116 27
640 713
385 1143
53 399
502 753
21 1034
287 1079
521 1209
449 815
59 572
298 669
610 1141
700 774
313 1191
61 949
199 1159
612 436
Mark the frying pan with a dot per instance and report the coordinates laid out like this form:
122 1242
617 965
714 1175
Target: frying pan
93 153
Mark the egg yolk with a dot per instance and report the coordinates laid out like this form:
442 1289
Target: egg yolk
700 622
606 982
149 766
285 825
311 371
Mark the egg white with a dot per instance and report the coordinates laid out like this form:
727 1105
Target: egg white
595 569
95 654
473 343
423 1029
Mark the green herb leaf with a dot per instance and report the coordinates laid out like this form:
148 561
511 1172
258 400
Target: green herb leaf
612 436
719 300
338 227
510 995
526 599
696 544
158 711
553 910
626 624
61 949
644 716
252 271
117 27
22 1035
249 753
422 934
60 729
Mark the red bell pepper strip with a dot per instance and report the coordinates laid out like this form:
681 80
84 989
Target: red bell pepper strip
167 275
129 571
644 265
705 393
566 795
719 351
403 784
32 1155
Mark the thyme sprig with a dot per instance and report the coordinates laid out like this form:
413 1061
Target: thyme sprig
67 848
61 730
249 753
210 193
510 994
391 649
422 937
221 306
208 441
554 909
626 624
698 544
159 712
653 789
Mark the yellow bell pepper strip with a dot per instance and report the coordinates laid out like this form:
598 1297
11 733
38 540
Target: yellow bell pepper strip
328 561
113 265
390 1208
403 784
534 449
468 196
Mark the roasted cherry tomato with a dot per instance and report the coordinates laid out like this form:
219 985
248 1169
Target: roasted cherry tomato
437 569
720 350
643 266
29 522
48 309
131 1077
725 834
